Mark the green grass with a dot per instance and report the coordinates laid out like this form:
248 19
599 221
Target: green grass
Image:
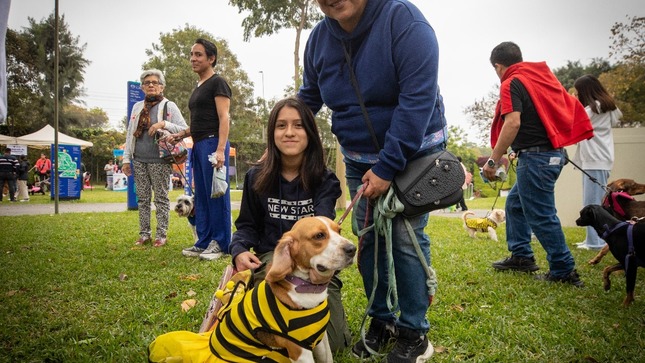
64 297
100 195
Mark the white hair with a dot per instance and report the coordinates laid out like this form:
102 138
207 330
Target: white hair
153 72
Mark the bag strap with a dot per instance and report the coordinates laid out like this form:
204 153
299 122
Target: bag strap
165 111
366 116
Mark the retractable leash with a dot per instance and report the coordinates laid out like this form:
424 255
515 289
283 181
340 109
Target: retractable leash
604 187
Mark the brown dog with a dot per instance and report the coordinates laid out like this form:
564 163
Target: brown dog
283 317
622 208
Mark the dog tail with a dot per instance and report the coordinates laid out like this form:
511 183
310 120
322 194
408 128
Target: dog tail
465 215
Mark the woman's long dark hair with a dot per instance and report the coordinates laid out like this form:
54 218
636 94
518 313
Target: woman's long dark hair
591 90
312 168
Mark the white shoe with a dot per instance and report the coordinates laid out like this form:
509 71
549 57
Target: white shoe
212 252
587 247
192 251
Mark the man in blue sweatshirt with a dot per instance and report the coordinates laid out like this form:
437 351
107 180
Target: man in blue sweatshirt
393 51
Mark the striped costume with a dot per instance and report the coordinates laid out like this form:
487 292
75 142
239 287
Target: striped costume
259 309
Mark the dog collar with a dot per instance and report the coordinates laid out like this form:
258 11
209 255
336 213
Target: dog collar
304 286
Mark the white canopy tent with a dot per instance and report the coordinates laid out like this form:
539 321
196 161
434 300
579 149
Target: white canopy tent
7 140
44 138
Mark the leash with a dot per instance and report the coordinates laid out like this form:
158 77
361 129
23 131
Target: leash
387 208
359 194
604 187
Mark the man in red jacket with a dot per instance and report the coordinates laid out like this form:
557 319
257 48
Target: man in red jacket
536 118
43 166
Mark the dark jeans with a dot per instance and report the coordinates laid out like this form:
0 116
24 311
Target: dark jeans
9 178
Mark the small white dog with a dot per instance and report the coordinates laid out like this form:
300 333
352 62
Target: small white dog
185 207
488 224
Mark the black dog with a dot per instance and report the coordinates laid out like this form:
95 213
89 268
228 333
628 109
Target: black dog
617 233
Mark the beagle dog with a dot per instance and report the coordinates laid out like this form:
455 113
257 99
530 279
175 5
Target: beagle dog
488 224
282 319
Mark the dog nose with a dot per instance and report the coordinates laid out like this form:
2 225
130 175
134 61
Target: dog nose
349 249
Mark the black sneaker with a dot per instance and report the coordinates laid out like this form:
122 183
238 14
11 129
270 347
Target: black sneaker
410 347
516 263
572 278
377 337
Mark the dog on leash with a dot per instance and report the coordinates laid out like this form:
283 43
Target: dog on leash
620 204
284 317
185 207
617 234
488 224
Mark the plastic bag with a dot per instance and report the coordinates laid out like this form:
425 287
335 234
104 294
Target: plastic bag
219 186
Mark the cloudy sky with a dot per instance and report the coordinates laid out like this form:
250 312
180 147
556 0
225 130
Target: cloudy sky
117 33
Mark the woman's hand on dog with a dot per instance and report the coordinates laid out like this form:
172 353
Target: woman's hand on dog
246 260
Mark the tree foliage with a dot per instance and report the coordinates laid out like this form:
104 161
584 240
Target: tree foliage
30 76
480 114
568 74
266 17
628 41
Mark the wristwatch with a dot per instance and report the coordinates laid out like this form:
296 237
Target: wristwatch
491 163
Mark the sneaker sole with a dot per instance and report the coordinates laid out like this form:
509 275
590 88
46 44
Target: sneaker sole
519 269
210 256
190 254
426 355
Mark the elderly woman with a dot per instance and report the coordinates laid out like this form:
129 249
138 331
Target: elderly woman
141 155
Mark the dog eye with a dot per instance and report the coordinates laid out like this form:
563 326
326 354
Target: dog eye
319 235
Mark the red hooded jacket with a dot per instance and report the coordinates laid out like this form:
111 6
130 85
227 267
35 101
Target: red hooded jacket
564 118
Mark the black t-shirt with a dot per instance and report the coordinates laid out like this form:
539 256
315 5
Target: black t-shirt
532 131
204 121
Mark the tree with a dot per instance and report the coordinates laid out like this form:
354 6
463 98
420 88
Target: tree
30 75
172 56
39 37
480 114
627 81
568 74
268 16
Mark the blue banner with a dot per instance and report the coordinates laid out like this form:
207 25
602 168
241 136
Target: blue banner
135 94
69 172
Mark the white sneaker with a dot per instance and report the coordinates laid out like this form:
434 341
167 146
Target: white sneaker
212 252
192 251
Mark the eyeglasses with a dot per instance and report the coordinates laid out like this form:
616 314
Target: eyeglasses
153 83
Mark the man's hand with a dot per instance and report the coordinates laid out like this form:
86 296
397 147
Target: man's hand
246 260
375 185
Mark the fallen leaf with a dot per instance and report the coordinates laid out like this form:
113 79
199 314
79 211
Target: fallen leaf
440 349
172 295
191 277
457 308
188 304
123 277
616 326
86 341
12 292
191 293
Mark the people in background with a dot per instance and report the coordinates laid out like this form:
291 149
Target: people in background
209 125
141 155
532 110
596 155
23 175
8 174
43 167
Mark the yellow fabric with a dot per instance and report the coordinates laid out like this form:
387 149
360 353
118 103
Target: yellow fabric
480 224
248 312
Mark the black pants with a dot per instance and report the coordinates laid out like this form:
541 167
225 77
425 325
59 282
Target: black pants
9 178
462 204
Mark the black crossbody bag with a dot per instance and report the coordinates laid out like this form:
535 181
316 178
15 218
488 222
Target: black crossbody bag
428 183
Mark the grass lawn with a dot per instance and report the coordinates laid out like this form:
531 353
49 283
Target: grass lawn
75 289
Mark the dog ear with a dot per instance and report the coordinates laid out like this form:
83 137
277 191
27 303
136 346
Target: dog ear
282 263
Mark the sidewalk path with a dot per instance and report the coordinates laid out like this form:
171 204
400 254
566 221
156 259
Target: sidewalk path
21 209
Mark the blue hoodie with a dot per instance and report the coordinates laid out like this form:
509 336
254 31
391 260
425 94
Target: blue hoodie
395 56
